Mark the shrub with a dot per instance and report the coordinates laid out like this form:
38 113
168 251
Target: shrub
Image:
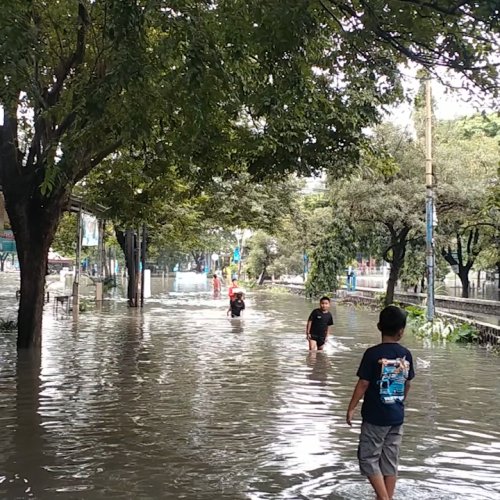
443 330
8 325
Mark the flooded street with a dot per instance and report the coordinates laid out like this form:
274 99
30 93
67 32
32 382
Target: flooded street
179 402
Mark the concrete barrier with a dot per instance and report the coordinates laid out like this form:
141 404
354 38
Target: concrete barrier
444 302
488 333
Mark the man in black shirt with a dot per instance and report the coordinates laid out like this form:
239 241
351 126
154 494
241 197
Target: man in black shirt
318 325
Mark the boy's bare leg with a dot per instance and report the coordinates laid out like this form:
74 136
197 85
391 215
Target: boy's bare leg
390 484
313 346
378 484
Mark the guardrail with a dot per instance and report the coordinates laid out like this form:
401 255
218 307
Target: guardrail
481 306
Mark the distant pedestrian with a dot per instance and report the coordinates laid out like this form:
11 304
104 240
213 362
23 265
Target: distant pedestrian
384 382
236 306
231 292
319 325
216 283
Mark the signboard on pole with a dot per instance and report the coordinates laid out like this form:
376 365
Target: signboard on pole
7 242
90 231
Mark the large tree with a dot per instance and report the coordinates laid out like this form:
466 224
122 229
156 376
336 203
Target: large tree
382 201
466 154
71 84
270 87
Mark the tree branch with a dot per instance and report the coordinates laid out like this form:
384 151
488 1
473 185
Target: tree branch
9 150
106 151
448 256
452 10
460 257
72 62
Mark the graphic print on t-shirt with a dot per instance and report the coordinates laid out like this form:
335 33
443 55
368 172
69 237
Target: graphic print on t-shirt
393 377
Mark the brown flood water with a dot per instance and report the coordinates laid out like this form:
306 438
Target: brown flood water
178 402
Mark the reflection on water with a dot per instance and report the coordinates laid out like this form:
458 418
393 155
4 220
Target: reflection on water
182 402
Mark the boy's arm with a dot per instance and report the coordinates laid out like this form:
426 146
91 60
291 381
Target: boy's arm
359 392
407 388
329 327
308 329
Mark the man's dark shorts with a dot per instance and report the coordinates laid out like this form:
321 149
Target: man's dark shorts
320 340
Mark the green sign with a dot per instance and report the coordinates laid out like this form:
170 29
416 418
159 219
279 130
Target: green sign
7 242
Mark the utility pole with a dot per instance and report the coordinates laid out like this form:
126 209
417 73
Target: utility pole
143 262
76 281
429 201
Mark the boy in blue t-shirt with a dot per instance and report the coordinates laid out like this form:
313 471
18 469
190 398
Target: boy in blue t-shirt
384 381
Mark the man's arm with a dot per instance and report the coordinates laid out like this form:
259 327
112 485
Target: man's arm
359 392
308 329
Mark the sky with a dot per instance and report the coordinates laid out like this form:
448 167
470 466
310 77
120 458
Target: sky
449 103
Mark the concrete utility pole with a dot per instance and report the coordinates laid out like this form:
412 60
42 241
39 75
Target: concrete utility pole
143 263
429 201
76 281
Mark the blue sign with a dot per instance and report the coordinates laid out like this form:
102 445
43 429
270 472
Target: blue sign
236 255
7 242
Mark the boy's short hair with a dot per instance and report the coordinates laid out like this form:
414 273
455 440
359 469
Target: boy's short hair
324 298
392 320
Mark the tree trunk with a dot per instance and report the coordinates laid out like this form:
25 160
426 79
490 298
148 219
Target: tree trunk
397 260
128 243
396 266
498 271
463 274
34 222
198 258
262 277
105 262
3 258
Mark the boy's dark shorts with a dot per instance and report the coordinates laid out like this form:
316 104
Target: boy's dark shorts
319 339
378 450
